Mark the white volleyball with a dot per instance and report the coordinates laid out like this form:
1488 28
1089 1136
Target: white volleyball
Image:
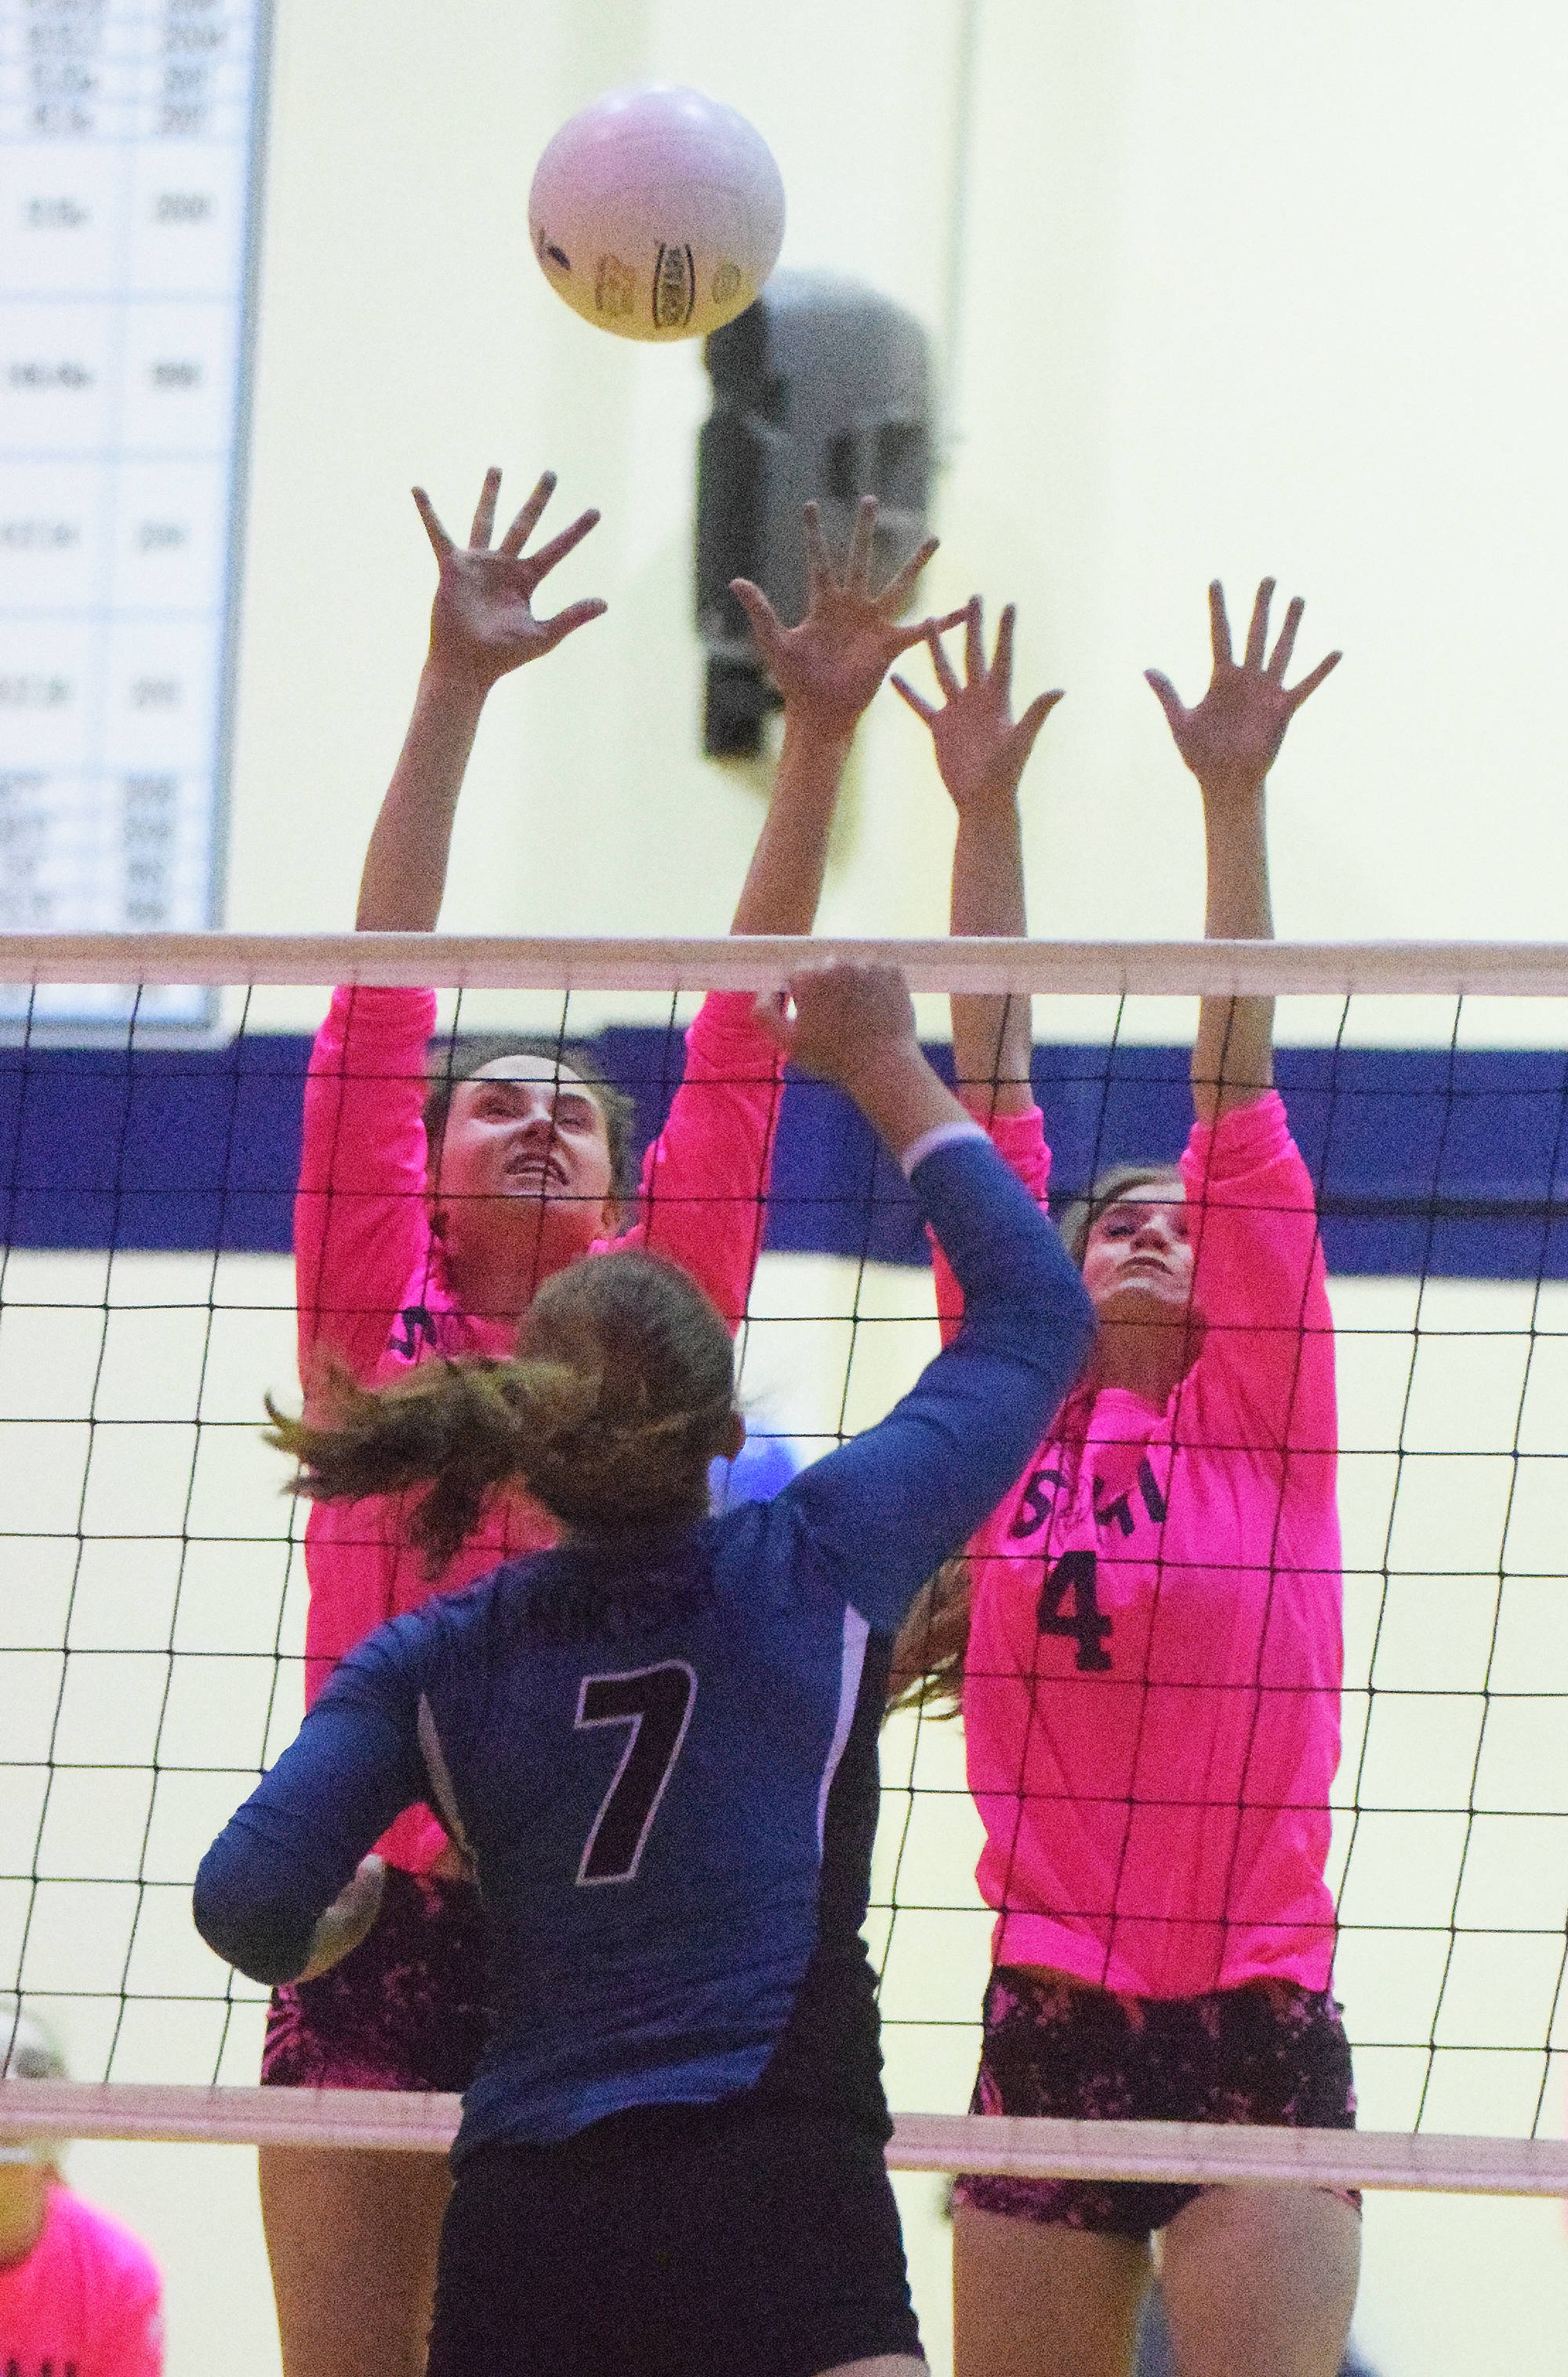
657 213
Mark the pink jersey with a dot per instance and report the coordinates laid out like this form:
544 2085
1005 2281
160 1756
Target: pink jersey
87 2302
1151 1705
373 1289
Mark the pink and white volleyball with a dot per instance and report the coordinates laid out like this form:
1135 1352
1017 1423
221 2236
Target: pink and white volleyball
657 213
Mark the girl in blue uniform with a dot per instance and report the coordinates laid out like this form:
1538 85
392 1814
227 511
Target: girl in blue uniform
657 1744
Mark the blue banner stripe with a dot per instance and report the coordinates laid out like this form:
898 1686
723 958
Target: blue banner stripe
1427 1160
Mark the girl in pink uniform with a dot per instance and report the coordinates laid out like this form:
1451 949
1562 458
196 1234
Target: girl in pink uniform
80 2296
430 1209
1150 1641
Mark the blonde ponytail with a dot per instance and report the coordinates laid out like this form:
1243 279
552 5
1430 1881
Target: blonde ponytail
610 1414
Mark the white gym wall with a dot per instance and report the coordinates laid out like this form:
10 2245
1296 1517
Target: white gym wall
1240 289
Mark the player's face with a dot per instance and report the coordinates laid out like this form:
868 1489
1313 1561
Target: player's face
530 1129
1139 1254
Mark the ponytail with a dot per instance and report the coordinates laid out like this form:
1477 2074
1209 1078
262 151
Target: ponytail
610 1413
459 1429
927 1667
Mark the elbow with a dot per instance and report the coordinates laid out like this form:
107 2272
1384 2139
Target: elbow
243 1931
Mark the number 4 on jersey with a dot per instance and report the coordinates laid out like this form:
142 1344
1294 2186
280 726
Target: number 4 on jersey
1075 1573
657 1704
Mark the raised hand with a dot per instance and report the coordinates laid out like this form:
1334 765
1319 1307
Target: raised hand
854 1023
828 668
847 1015
981 750
1232 737
482 623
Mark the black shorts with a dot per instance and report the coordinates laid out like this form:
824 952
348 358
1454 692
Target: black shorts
753 2238
406 2008
1269 2052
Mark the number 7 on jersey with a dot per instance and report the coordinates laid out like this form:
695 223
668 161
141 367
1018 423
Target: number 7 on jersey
657 1704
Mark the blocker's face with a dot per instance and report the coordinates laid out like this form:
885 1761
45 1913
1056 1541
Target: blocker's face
525 1127
1139 1251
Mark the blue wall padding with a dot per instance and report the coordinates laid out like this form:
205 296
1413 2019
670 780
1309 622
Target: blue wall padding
1450 1163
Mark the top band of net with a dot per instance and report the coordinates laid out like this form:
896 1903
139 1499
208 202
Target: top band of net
464 961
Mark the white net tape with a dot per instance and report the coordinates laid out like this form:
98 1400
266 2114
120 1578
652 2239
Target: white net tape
1162 2153
449 960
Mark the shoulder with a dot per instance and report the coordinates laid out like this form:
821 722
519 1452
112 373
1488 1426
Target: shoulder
785 1554
115 2257
756 1545
402 1651
373 1014
456 1623
725 1024
1245 1140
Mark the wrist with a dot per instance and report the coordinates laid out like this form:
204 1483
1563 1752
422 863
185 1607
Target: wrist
455 680
882 1067
809 726
1232 788
903 1100
988 811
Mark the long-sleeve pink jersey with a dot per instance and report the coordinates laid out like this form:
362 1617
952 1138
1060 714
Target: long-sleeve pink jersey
1151 1702
375 1293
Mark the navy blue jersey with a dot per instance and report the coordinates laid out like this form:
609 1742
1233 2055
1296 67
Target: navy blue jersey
638 1743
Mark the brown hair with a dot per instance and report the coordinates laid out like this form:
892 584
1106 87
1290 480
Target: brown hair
927 1670
1112 1185
449 1062
610 1413
927 1667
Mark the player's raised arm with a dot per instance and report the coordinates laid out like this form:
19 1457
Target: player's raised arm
1229 741
884 1509
828 669
705 1179
981 752
854 1025
483 626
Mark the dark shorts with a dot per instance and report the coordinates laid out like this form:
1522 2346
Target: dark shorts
1270 2052
746 2239
406 2008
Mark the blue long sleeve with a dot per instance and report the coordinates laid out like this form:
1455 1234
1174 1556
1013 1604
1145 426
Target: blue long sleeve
882 1512
355 1764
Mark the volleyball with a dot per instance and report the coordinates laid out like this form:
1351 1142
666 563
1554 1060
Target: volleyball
657 213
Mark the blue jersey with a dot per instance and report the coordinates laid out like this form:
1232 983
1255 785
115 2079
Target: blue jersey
644 1747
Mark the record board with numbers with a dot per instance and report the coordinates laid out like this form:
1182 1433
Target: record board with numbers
130 152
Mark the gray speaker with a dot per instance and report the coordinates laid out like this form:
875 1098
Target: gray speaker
820 390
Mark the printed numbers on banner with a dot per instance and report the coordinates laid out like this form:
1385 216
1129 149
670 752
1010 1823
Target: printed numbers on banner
1075 1573
657 1704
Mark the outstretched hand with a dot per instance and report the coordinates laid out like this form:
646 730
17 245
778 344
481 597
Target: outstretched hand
1232 737
482 624
854 1024
828 668
981 750
848 1018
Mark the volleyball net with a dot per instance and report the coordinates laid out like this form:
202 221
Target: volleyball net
152 1611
